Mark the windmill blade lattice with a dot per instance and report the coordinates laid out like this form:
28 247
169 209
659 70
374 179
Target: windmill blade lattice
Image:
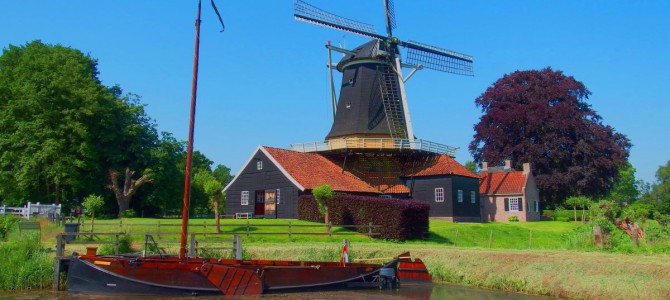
438 59
312 14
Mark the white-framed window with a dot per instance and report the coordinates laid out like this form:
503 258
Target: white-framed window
259 165
537 206
460 196
513 204
439 194
244 199
278 196
472 196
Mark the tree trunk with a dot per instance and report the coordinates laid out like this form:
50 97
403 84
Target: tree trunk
216 214
130 186
583 215
574 208
597 236
326 219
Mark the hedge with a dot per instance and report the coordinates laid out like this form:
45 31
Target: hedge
400 219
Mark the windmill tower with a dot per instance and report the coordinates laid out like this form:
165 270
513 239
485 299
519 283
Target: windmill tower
373 104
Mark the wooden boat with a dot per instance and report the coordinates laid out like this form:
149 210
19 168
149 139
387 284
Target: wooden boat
155 275
182 275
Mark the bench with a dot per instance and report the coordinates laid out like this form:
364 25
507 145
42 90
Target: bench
244 215
30 225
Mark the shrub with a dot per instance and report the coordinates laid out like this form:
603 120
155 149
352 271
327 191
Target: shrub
399 219
6 224
129 213
513 219
125 246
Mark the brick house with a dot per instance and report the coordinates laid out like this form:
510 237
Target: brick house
505 192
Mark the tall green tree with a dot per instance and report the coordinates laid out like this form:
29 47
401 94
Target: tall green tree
167 191
61 130
542 117
625 188
659 196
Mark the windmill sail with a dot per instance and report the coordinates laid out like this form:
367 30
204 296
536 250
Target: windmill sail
311 14
438 59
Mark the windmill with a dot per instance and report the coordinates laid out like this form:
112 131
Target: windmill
372 102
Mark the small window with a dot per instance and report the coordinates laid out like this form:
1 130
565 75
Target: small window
245 198
439 194
460 196
386 196
259 165
472 196
278 195
513 204
537 206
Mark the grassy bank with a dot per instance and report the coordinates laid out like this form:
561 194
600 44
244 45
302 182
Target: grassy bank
24 263
556 273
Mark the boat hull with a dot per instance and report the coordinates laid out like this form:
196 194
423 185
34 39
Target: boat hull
198 276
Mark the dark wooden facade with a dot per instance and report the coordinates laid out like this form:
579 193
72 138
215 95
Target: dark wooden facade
423 189
268 178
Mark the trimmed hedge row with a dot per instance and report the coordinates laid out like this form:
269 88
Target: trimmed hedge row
400 219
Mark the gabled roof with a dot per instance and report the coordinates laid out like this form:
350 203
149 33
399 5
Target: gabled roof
309 170
503 183
444 165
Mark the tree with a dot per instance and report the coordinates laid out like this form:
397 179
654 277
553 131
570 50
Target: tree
213 188
659 196
93 203
625 189
61 130
541 117
323 194
130 186
581 202
471 165
167 191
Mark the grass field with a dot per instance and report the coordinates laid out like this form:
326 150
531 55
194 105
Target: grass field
455 252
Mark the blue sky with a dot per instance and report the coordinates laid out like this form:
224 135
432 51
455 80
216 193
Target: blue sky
264 81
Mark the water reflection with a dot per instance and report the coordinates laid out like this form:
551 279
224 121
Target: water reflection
436 291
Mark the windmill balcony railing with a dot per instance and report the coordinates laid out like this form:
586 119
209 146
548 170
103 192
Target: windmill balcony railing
374 144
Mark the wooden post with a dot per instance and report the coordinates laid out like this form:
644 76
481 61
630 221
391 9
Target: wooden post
247 228
116 244
204 227
455 237
191 250
530 239
237 246
57 261
289 231
120 224
490 238
159 229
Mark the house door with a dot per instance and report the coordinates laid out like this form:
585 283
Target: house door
259 208
270 204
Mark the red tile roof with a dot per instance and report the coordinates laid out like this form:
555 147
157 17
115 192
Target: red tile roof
444 165
312 170
503 183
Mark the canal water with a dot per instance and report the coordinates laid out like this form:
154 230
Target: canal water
436 291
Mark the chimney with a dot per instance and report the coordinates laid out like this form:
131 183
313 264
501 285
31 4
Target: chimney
526 168
508 164
485 166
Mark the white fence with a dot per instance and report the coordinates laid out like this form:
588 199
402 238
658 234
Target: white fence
32 209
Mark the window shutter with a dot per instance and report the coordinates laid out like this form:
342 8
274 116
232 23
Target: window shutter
506 204
520 204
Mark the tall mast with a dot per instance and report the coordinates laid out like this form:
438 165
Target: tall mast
189 149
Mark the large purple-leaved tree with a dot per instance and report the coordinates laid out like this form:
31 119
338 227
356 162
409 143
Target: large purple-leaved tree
541 117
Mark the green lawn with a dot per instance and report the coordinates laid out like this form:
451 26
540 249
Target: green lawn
517 235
